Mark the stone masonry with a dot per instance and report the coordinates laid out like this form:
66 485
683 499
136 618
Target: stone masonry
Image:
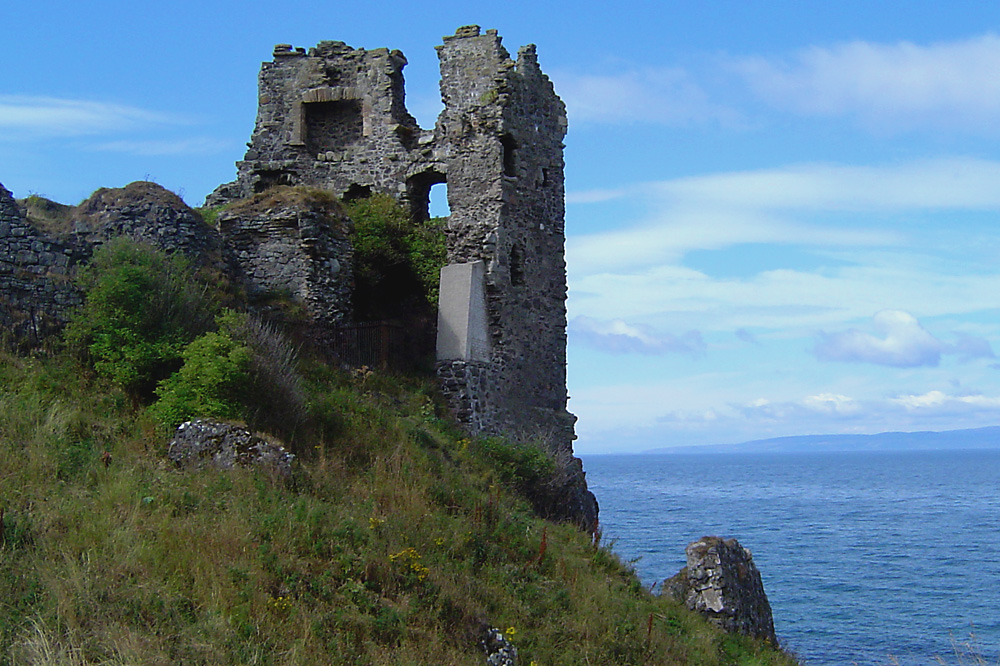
36 293
334 117
296 243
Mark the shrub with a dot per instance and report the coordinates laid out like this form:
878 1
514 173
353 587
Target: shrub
395 259
245 370
212 382
525 467
141 307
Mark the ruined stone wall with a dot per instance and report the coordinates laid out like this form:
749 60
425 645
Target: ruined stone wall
334 118
294 243
36 293
145 212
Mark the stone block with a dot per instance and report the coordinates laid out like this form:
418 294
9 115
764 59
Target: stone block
462 324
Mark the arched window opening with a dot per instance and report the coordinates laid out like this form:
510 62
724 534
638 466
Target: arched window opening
418 193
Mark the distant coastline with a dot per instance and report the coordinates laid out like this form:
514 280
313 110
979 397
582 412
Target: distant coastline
973 438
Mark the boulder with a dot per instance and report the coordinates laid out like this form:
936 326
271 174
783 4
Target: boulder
225 445
722 583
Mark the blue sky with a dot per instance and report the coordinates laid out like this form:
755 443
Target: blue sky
781 216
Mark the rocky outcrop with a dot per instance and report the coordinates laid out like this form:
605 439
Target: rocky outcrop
225 445
722 583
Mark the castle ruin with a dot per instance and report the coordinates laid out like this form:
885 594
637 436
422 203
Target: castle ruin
334 118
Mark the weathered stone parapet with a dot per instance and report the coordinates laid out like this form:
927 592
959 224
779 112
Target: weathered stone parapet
722 583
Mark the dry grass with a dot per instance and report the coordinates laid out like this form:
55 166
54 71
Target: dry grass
395 543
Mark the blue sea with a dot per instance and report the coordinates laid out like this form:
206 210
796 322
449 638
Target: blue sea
867 558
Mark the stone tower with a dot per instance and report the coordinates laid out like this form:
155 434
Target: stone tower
504 125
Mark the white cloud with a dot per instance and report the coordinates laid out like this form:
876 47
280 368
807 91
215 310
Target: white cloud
893 86
939 402
26 116
666 95
619 337
900 341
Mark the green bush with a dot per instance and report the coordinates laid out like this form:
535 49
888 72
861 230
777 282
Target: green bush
141 306
244 371
394 258
525 467
212 382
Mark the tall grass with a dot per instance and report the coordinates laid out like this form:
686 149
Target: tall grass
397 541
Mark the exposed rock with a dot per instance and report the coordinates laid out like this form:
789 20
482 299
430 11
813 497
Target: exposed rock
499 651
225 445
722 583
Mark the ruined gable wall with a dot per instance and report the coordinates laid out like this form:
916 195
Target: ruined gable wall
333 118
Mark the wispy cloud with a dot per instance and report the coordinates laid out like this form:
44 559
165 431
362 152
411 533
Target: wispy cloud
667 95
899 341
29 117
848 213
165 147
620 337
894 86
937 183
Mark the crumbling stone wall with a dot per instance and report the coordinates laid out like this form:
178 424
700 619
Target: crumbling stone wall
36 293
334 118
145 212
504 126
294 242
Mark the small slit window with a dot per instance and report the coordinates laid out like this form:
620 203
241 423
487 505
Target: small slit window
516 266
509 147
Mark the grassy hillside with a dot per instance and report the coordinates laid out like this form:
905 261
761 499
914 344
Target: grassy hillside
396 541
